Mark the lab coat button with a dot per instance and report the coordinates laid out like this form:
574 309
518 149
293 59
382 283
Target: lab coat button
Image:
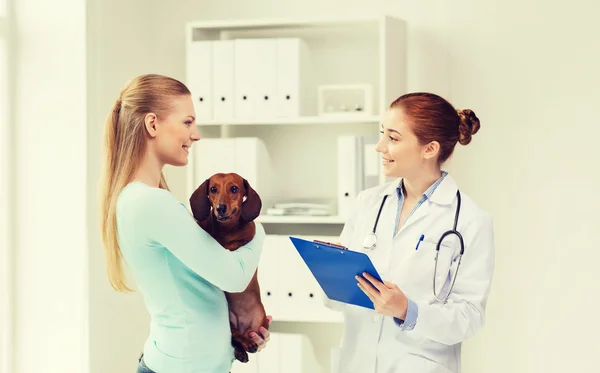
450 301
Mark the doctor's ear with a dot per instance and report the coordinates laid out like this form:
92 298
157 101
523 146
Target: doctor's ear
431 150
150 123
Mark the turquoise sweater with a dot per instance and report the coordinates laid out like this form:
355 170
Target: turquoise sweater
182 273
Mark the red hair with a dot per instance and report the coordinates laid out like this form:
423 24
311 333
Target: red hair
432 118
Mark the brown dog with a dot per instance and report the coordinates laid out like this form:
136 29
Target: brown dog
231 223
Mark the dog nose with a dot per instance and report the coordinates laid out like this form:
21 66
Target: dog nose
221 209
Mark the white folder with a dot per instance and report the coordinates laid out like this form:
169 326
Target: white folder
296 93
253 163
298 354
246 156
269 359
371 161
269 275
223 79
265 78
349 173
211 156
244 69
199 77
306 303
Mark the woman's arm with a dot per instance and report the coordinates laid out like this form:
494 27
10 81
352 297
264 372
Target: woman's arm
170 224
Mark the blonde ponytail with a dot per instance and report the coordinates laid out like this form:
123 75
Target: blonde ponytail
124 146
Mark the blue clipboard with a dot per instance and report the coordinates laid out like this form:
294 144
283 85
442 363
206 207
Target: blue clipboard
334 268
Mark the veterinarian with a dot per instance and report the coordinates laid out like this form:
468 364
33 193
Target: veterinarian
414 329
180 269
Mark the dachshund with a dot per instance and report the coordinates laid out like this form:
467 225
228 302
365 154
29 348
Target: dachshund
219 207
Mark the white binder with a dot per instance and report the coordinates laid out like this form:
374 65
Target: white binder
297 354
269 275
265 78
349 173
223 79
296 93
199 77
269 359
287 284
371 161
358 169
245 62
206 161
252 161
247 157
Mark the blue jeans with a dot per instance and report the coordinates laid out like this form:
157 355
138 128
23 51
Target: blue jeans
142 368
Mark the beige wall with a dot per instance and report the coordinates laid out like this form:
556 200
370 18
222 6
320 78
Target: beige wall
49 216
120 35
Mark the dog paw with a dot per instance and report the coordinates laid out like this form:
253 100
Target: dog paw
252 348
240 355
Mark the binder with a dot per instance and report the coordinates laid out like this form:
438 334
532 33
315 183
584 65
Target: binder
244 62
246 156
264 77
334 268
223 79
199 78
205 150
349 173
295 89
255 84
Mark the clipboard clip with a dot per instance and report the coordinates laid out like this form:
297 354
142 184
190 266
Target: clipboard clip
330 244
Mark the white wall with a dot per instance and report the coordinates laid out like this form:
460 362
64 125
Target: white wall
120 37
50 219
5 203
528 70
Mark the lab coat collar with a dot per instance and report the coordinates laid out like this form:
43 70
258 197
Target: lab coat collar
391 188
445 192
443 195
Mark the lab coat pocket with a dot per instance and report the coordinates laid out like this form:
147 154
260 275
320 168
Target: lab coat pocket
420 364
421 266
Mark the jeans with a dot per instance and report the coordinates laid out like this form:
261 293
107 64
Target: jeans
142 368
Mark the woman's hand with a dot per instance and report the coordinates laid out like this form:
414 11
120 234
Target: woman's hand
262 337
388 299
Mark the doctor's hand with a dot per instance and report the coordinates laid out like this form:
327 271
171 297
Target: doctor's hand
262 337
388 299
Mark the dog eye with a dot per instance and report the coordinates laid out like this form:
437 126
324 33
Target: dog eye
213 189
234 189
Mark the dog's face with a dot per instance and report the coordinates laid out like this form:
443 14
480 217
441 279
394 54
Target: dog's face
228 196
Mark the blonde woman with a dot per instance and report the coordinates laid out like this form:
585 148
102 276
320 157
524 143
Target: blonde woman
181 271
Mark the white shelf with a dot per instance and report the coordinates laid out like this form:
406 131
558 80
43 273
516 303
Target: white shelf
289 219
262 24
325 120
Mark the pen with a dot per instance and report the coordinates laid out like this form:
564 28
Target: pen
418 243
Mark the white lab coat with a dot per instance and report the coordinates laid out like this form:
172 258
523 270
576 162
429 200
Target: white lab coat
373 343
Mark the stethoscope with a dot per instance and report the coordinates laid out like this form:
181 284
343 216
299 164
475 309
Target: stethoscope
370 243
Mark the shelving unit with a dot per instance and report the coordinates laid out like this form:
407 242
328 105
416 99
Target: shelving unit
303 149
319 120
354 50
286 219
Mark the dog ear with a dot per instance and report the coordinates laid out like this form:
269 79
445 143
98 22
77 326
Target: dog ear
252 205
200 203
